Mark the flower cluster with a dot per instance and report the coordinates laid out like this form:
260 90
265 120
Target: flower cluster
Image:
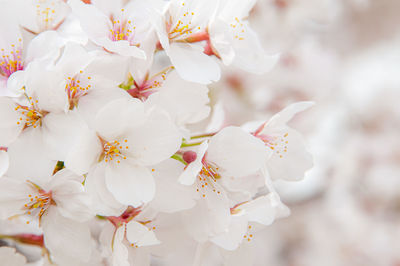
110 150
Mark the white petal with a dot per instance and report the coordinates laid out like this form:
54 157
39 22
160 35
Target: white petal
191 171
287 114
107 68
104 202
74 59
220 39
9 129
236 8
28 160
47 87
155 140
93 22
245 187
72 202
290 158
15 83
241 46
192 64
90 104
140 235
293 159
65 127
4 162
84 153
122 48
210 217
108 7
237 152
114 118
120 252
130 185
193 100
170 195
13 195
265 209
45 45
9 256
234 236
76 240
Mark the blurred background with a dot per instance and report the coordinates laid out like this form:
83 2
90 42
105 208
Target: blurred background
345 56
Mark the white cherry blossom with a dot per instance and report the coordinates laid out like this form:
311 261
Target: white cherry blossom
126 140
290 158
58 203
178 22
235 42
114 26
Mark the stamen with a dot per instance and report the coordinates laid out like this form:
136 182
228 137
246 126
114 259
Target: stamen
278 144
75 89
238 28
11 62
207 178
122 30
31 116
114 150
38 204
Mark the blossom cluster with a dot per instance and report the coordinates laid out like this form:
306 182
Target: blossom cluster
111 152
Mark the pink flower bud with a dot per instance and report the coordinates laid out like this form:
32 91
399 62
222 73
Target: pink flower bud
189 156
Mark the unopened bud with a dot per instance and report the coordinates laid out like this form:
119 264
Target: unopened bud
189 156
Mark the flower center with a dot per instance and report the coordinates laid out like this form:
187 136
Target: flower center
278 144
31 116
207 178
39 203
75 89
45 14
142 90
183 27
238 29
114 151
12 62
122 30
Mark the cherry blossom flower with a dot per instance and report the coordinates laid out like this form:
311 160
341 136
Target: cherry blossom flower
178 22
127 239
126 140
37 16
248 215
235 42
193 97
118 29
230 154
286 144
15 53
60 205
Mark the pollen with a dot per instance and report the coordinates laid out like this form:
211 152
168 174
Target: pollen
182 27
279 144
46 14
38 204
122 29
31 115
114 150
76 88
238 29
206 180
11 62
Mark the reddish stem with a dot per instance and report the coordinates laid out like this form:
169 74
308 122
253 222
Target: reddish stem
29 239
